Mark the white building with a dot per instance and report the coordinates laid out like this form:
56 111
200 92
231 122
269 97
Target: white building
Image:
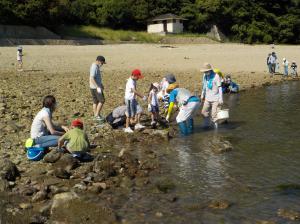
167 23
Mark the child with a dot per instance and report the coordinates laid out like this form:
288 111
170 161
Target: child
294 69
153 105
75 140
285 67
19 58
130 101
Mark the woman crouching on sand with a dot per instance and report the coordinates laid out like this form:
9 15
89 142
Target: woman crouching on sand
43 132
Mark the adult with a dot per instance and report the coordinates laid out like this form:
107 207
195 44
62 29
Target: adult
188 106
96 87
43 132
272 62
212 95
117 118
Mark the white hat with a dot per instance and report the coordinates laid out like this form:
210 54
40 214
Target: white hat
206 67
283 59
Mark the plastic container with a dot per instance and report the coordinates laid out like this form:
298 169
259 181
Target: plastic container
35 153
223 114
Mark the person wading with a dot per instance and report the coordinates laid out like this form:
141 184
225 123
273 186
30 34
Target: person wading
97 87
211 95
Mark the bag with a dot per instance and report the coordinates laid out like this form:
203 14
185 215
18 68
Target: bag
35 153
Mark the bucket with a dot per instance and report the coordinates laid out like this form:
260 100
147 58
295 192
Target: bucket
223 114
35 153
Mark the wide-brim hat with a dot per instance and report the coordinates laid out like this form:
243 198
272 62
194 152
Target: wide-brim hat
206 67
171 87
156 84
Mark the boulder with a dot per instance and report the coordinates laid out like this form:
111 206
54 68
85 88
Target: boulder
8 170
222 204
39 196
52 156
3 185
67 162
69 208
62 173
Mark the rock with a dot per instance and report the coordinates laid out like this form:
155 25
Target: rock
45 210
8 170
165 185
67 162
80 211
61 173
222 204
265 222
105 166
95 189
38 219
80 187
3 185
39 196
219 146
288 214
102 185
164 134
52 156
25 205
159 214
60 199
56 190
27 190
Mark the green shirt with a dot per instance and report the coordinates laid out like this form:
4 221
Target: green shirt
77 140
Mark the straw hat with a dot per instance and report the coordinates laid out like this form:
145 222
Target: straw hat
171 87
206 67
156 84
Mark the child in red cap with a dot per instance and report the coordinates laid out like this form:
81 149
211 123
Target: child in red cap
131 102
75 140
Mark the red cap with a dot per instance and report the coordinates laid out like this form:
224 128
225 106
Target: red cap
137 73
77 123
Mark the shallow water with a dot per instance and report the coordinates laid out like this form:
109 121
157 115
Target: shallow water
264 131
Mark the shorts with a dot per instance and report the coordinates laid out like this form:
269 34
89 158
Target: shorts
131 107
97 97
154 109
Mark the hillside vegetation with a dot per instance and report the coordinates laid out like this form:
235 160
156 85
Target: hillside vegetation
248 21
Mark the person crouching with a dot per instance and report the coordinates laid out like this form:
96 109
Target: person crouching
75 141
188 106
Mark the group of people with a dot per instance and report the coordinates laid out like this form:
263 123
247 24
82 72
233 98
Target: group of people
273 65
74 140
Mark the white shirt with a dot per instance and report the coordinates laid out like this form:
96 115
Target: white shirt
154 100
130 85
19 55
272 59
38 127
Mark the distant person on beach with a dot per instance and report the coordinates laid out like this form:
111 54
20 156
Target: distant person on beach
20 58
294 69
188 106
75 141
153 104
272 62
285 64
131 101
43 132
97 88
212 95
117 118
269 64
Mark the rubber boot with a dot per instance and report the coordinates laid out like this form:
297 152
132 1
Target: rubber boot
190 125
183 128
206 123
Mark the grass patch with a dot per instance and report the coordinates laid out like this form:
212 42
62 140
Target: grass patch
107 34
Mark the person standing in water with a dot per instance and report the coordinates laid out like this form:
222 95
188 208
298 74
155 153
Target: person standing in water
285 64
188 106
97 88
212 95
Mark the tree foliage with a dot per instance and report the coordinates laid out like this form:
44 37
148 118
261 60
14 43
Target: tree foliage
249 21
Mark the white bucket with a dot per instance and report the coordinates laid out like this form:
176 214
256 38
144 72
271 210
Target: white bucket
223 114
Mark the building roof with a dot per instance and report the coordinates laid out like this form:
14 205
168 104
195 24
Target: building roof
166 17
